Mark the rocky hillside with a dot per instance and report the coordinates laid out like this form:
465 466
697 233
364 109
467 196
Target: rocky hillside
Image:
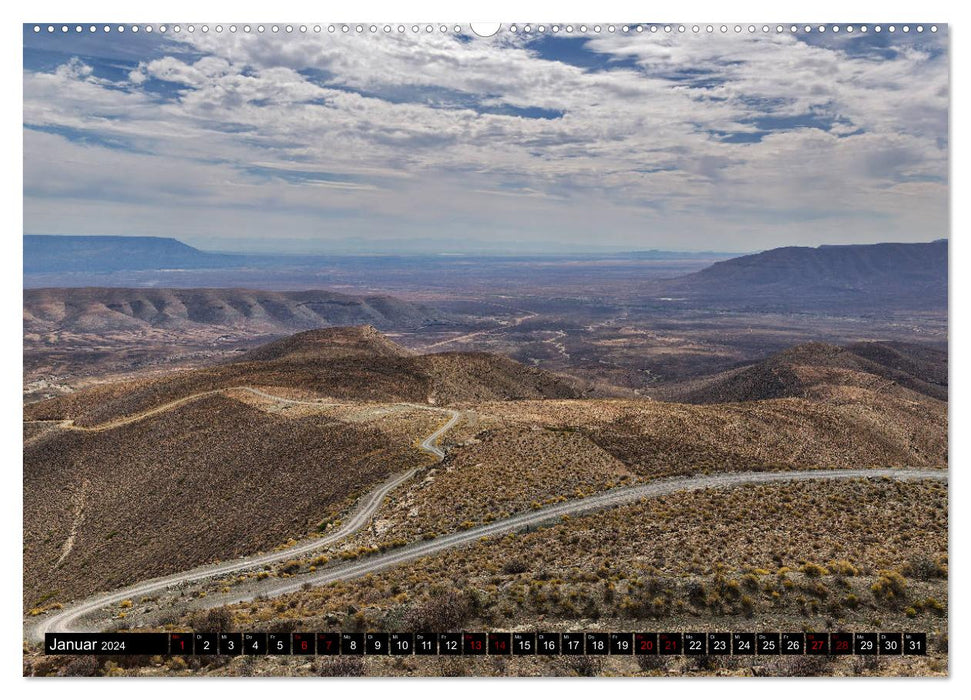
208 480
814 370
349 363
103 309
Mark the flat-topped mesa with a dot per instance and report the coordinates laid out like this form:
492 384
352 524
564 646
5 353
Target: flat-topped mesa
877 276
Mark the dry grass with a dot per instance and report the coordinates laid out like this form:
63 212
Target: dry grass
346 364
181 488
812 556
211 479
808 555
660 439
500 472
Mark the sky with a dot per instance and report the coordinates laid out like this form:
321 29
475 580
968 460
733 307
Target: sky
318 141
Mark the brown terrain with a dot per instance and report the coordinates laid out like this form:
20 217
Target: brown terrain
355 363
507 457
819 369
73 337
814 557
525 441
163 473
168 473
210 479
811 556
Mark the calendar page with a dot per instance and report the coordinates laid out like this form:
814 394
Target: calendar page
448 349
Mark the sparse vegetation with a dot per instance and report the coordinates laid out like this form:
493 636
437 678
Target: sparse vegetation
703 564
247 463
813 555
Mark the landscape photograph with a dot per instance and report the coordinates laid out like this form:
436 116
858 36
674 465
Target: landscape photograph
560 350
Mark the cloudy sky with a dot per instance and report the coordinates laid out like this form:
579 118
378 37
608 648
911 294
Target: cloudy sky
316 141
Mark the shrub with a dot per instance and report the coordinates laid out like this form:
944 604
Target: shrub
341 666
444 611
291 567
215 620
925 569
889 588
813 570
844 568
650 662
515 566
586 666
747 605
83 666
750 582
801 666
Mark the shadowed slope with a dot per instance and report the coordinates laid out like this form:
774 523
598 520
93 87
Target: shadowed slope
210 479
898 275
818 369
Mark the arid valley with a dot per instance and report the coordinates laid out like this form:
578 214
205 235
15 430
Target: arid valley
554 447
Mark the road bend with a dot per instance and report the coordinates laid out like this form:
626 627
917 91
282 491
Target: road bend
69 619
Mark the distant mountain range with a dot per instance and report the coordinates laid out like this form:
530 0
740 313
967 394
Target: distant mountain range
100 254
859 277
911 274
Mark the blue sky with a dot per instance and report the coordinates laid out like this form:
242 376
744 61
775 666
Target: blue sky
634 140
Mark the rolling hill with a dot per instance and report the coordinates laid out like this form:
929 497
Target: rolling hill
207 480
348 363
820 370
219 476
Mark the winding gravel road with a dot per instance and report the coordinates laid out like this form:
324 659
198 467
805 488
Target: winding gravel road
62 620
615 497
65 620
68 424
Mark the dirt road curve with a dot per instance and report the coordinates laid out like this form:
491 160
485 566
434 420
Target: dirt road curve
127 420
69 619
361 515
591 503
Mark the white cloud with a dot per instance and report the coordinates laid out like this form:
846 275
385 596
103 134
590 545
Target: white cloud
334 136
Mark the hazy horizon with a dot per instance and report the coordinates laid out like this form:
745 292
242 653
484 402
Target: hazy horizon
411 246
434 247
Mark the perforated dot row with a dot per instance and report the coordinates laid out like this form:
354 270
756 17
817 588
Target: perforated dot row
514 28
246 28
388 28
722 28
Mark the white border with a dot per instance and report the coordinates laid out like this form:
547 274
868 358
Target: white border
604 11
